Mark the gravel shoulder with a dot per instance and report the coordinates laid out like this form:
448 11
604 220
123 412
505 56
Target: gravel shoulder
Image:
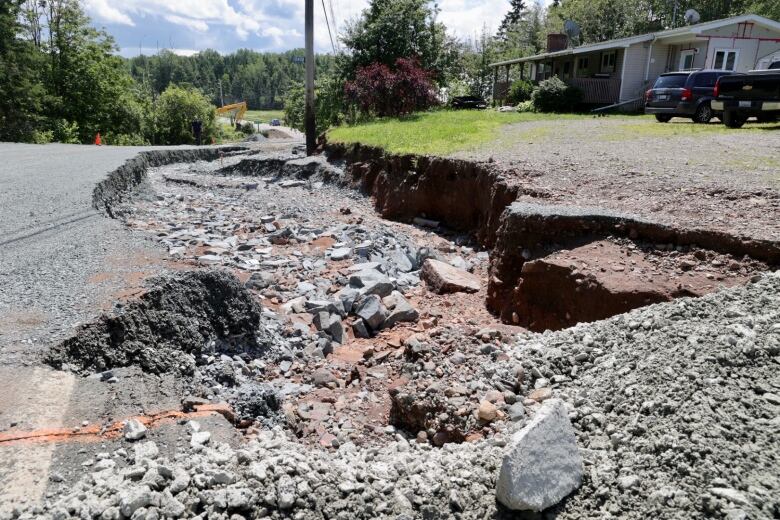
680 173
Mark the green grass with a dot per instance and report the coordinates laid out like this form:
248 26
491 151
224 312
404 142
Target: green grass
264 115
436 133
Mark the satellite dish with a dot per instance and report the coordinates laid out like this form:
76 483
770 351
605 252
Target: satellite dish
692 16
572 30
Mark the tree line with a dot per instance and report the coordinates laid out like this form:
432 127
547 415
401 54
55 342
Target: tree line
62 80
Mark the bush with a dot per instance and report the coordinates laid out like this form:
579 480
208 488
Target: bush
247 128
553 95
65 131
176 109
125 140
520 91
380 91
526 106
42 136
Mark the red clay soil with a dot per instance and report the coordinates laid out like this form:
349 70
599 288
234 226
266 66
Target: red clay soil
605 278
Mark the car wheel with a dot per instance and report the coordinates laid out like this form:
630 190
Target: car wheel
703 114
733 120
663 118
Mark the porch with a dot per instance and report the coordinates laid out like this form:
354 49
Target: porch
596 74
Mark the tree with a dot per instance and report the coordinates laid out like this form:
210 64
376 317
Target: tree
21 90
511 18
392 29
176 109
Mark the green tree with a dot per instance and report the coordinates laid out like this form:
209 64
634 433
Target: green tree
21 90
512 17
392 29
176 109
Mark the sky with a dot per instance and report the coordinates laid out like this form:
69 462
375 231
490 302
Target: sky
188 26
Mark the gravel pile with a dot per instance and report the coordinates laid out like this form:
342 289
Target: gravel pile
675 406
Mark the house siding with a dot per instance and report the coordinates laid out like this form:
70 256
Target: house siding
634 74
753 46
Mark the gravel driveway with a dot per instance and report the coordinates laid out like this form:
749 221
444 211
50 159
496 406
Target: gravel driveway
678 173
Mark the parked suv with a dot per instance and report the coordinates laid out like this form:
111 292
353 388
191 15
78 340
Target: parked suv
683 94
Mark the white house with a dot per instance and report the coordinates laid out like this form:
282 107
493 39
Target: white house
621 70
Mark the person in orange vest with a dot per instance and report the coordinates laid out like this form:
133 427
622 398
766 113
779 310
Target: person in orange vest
98 141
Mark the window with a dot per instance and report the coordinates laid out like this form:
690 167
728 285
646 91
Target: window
567 70
608 62
706 79
686 59
582 66
725 59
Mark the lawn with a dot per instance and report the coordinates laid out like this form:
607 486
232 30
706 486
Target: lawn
436 133
264 116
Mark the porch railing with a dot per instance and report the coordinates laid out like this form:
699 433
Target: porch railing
597 90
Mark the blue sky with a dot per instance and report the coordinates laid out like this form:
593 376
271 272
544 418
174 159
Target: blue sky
264 25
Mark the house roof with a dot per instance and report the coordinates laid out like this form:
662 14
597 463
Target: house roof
631 40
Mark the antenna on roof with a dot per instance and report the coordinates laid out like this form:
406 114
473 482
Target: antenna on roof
692 16
572 31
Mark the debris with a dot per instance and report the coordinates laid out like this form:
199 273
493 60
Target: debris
443 278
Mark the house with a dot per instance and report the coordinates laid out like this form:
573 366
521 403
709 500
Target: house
618 71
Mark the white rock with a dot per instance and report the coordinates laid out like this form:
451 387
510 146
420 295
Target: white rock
134 430
543 464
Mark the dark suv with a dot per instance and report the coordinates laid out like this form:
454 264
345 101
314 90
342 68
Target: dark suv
683 94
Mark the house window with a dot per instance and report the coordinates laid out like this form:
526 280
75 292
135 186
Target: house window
608 61
686 59
567 70
725 59
582 67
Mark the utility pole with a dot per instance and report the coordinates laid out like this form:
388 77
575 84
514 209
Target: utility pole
311 126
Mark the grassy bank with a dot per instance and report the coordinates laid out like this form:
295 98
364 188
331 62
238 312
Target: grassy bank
264 116
436 133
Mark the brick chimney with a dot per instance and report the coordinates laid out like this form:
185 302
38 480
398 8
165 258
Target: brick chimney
557 42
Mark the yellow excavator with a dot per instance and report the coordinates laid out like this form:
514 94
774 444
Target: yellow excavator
236 111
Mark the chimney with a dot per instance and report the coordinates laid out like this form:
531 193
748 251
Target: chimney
557 42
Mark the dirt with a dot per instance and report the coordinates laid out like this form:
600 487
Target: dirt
167 327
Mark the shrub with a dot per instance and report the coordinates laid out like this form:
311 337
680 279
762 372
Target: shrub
125 140
65 131
247 128
526 106
553 95
381 91
520 91
176 109
42 136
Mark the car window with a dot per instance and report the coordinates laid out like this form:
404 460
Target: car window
706 79
673 81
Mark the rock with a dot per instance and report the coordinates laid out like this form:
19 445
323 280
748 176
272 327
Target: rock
341 253
516 412
487 411
540 394
400 310
359 329
134 430
145 450
542 464
135 498
199 439
323 377
443 278
372 311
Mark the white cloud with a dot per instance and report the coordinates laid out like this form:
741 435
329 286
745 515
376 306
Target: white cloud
274 24
106 13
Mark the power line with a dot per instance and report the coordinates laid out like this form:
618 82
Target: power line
333 45
335 25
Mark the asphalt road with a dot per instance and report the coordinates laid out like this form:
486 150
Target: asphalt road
59 258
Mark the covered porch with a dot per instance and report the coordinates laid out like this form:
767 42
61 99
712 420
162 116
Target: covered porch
597 74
